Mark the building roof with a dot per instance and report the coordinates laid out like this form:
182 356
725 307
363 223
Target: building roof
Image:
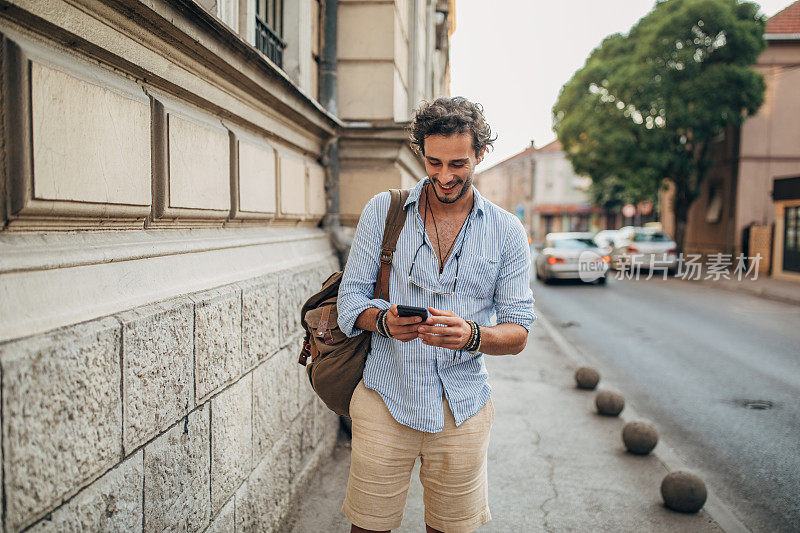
554 146
785 22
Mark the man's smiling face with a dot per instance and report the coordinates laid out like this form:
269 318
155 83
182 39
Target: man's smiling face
450 162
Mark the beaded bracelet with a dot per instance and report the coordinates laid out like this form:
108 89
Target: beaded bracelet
379 324
385 321
472 335
474 342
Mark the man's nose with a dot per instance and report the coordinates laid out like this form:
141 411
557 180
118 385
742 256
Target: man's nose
448 175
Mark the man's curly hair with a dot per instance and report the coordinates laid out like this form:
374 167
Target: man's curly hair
448 116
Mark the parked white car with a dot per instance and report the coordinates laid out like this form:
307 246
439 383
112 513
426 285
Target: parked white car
605 238
571 255
644 248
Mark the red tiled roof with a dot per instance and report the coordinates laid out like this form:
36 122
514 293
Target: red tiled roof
566 209
554 146
786 21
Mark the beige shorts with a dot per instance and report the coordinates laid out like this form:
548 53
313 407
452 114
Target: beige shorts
453 471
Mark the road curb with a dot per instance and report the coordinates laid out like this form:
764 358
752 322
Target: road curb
714 507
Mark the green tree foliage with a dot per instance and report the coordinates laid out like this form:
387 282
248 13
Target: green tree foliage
646 106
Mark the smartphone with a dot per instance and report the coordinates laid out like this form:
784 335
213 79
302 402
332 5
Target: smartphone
410 310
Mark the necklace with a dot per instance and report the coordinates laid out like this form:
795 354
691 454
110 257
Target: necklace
436 230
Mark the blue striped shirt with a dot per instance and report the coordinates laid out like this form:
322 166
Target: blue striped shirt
493 259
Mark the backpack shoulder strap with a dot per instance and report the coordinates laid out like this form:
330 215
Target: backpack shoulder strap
395 220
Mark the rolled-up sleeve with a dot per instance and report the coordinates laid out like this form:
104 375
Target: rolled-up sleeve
361 271
513 298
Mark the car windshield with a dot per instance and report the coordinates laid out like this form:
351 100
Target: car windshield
651 237
573 244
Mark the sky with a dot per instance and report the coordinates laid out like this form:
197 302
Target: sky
513 56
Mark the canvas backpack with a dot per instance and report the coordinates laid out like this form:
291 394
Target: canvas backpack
335 362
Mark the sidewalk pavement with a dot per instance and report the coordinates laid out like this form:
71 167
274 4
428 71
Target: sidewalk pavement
763 287
554 464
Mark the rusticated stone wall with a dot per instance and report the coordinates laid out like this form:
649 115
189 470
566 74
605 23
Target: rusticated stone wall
190 414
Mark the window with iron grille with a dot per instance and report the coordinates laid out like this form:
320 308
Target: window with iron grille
269 29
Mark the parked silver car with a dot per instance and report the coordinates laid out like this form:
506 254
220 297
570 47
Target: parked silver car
644 248
571 255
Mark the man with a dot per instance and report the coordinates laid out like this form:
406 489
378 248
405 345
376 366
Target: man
425 391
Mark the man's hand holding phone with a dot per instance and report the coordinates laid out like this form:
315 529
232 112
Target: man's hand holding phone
402 328
444 329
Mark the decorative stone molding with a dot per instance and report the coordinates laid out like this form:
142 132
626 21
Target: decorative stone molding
103 273
75 168
254 170
191 167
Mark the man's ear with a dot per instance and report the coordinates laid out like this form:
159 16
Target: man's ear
481 154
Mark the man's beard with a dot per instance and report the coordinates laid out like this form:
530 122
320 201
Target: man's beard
464 188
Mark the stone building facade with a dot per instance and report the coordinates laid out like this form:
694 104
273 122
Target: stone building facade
165 170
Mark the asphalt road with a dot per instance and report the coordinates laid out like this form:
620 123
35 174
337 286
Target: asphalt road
689 357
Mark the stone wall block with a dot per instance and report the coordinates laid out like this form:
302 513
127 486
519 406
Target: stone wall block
262 499
296 455
112 503
305 392
288 365
231 440
307 431
260 319
326 421
295 289
177 480
157 344
290 311
62 415
269 404
217 339
224 522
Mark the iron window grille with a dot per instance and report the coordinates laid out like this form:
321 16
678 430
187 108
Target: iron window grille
269 29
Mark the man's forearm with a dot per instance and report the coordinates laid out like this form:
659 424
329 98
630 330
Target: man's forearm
366 320
503 339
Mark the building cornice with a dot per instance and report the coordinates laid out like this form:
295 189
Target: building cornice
388 141
782 36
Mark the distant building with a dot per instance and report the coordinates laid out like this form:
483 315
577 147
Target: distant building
750 201
540 187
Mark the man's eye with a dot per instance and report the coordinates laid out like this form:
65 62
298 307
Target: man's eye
458 165
431 163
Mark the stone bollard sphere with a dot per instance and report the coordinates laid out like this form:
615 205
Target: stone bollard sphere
683 491
587 377
640 436
609 403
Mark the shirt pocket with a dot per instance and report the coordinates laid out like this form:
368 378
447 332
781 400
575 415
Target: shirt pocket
481 277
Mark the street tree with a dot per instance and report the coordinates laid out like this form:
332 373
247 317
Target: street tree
648 105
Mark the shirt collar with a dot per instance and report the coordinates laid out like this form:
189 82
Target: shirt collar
414 194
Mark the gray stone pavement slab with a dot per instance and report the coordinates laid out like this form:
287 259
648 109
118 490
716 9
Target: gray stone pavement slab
554 464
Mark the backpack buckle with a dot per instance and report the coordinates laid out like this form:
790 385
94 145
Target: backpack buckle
386 256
